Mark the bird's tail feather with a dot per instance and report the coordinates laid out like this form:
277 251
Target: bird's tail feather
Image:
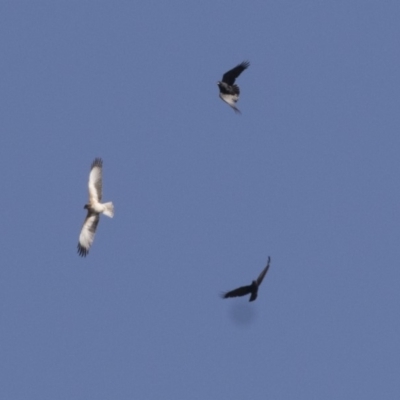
237 111
108 209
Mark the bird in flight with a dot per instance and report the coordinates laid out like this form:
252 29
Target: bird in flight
228 91
94 208
250 289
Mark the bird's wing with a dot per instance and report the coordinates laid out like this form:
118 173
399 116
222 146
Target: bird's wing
263 273
230 76
95 180
242 291
87 233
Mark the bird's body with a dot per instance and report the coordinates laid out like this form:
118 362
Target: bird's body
94 207
251 289
99 208
228 91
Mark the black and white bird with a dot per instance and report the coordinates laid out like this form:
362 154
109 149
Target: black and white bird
250 289
228 91
94 208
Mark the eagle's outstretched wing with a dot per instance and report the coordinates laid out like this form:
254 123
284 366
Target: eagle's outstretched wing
230 76
241 291
263 273
87 233
95 181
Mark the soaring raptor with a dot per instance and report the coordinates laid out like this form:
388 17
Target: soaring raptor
228 91
94 208
251 289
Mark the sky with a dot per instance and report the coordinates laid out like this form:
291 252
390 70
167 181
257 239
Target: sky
308 174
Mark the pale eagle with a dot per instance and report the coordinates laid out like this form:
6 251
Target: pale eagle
94 208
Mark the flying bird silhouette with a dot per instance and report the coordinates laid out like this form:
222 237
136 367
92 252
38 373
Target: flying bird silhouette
251 289
94 207
228 91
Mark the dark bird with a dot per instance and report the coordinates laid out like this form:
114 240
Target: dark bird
94 207
251 289
228 91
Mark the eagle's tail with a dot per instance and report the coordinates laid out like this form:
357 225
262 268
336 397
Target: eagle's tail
108 209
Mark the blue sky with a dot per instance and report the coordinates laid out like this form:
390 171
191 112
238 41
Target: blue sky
308 174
